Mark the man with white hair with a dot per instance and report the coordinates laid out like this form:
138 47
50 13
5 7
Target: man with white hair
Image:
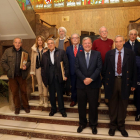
119 78
71 53
62 42
103 45
134 45
52 75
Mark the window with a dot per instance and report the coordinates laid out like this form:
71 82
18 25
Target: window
54 4
58 3
47 4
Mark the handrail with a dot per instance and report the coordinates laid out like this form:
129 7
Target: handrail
134 20
42 21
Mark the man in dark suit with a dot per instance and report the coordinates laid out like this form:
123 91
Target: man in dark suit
119 78
71 53
52 75
88 65
134 45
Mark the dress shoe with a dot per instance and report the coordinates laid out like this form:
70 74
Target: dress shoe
80 128
27 110
52 113
72 104
137 118
17 111
111 132
64 114
124 133
94 130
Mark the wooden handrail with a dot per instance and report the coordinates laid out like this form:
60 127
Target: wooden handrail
42 21
134 20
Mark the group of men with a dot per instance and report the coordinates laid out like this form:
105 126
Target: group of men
87 67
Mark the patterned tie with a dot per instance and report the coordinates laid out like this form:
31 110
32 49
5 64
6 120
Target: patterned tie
87 59
133 46
75 51
119 67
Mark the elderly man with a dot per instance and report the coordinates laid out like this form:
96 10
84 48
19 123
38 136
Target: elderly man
52 75
134 45
88 65
62 42
119 78
10 61
71 53
103 45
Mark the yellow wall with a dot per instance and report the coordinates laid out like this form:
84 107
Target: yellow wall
115 19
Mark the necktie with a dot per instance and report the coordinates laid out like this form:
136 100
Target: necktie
87 59
75 51
119 67
132 46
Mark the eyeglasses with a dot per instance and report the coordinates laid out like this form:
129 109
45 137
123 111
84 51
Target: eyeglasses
87 43
133 34
50 43
75 37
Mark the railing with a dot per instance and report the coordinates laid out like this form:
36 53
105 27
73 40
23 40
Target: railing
42 21
132 21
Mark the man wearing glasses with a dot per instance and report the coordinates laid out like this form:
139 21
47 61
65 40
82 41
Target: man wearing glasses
52 75
71 53
134 45
103 45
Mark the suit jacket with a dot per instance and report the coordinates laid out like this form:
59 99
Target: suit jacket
71 57
46 71
136 46
129 77
93 71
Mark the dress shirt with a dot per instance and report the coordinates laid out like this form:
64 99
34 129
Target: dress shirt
52 56
86 54
116 60
131 42
74 47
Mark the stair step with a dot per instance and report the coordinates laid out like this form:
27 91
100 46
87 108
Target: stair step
59 131
71 119
36 93
14 137
102 106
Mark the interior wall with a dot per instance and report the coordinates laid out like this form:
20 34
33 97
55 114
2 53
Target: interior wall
115 19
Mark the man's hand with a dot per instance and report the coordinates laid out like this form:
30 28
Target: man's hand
65 78
24 67
87 81
132 88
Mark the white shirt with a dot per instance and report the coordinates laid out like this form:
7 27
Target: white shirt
86 54
63 38
131 42
74 47
52 56
103 39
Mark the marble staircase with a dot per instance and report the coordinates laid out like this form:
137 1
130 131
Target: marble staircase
38 125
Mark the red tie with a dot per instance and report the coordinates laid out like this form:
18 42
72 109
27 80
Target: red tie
119 68
75 51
